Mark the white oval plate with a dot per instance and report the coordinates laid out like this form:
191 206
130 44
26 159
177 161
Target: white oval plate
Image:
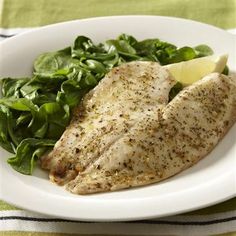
210 181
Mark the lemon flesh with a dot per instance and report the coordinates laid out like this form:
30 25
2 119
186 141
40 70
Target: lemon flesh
188 72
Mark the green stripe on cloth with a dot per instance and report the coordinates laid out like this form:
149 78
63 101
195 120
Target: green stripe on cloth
229 205
5 206
1 10
14 233
18 233
227 234
28 13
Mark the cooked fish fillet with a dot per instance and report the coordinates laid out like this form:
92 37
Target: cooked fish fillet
121 99
158 147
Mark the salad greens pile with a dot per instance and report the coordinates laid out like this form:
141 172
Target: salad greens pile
35 111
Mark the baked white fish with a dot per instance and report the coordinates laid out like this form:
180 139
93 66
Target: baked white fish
125 96
159 146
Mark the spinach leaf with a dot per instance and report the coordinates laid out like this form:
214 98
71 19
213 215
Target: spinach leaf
147 49
203 50
20 104
5 139
123 48
27 153
175 90
11 87
95 66
226 70
181 54
84 48
70 93
53 63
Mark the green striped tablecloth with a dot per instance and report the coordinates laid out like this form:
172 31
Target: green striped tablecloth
17 16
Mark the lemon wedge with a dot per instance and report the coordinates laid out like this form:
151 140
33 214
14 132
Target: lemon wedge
188 72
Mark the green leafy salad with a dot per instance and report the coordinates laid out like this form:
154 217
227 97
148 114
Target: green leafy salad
35 111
